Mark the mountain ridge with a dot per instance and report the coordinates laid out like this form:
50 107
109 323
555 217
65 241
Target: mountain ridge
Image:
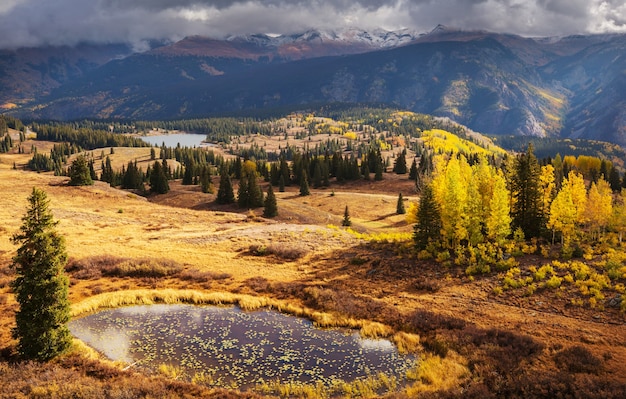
492 82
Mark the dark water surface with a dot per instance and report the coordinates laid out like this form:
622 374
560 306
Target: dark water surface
236 348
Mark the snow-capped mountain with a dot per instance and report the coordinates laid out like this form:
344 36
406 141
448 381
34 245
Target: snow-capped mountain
377 38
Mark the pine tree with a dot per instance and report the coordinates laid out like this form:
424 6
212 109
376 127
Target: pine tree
158 179
399 166
225 194
242 193
205 180
255 194
271 208
304 185
400 210
526 209
413 170
107 171
346 222
40 286
189 174
428 226
79 172
281 184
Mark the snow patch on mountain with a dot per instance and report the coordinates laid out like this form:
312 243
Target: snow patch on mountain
378 38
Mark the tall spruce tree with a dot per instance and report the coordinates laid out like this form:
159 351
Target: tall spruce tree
41 285
400 210
346 222
225 194
399 166
428 226
158 179
79 172
413 170
526 210
271 208
304 185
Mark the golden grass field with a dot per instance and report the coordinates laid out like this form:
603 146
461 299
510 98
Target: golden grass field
334 278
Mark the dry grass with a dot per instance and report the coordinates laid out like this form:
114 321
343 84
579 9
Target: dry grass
210 251
434 373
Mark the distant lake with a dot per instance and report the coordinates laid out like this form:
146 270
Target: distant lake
172 140
237 348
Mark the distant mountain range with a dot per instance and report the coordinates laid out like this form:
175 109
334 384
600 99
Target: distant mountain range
494 83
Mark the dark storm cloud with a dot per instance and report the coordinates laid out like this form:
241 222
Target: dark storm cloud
36 22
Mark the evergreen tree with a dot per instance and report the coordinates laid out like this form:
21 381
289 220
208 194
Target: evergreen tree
205 180
399 166
189 174
107 171
255 194
92 172
158 179
242 193
225 194
281 184
526 210
132 178
428 226
271 208
614 179
79 172
400 210
317 175
346 222
304 185
40 286
378 173
413 170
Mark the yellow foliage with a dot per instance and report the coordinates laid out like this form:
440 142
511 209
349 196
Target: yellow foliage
350 135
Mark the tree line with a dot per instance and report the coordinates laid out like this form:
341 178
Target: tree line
467 205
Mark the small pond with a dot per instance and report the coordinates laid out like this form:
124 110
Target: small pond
236 348
172 140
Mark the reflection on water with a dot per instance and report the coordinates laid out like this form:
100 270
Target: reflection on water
236 348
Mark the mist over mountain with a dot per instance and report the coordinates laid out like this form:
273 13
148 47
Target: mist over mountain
494 83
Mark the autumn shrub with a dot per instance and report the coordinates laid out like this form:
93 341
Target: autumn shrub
111 266
282 251
436 345
506 348
554 282
143 268
424 321
203 276
578 359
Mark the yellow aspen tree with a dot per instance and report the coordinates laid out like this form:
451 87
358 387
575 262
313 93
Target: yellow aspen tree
563 215
578 192
547 188
480 193
599 208
498 220
453 213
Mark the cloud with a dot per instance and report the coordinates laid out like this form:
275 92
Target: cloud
58 22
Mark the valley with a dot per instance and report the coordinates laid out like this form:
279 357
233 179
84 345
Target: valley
505 329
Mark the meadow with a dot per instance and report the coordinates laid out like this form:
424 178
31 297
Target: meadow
476 335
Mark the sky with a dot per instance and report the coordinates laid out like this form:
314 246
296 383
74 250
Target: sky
29 23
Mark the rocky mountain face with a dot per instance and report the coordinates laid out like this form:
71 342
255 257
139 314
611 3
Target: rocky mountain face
493 83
